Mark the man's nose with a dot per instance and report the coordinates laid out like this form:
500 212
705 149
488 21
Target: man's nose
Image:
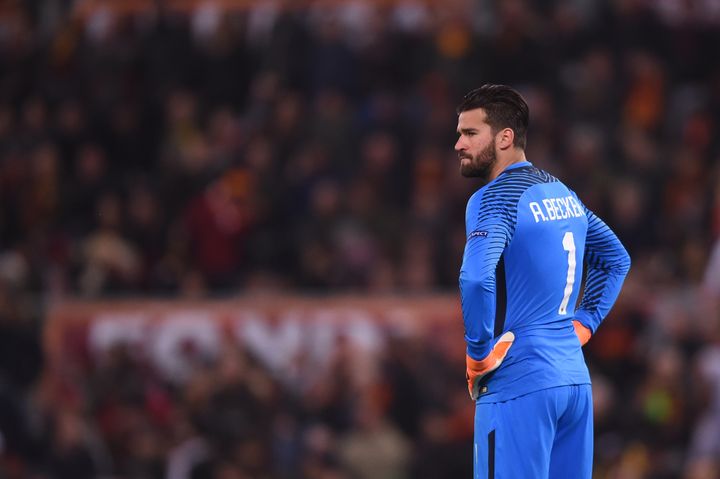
459 145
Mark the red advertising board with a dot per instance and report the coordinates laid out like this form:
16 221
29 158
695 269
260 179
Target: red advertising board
277 329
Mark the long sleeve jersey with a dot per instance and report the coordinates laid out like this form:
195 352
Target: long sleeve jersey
528 237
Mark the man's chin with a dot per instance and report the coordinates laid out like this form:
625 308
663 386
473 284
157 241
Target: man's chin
468 171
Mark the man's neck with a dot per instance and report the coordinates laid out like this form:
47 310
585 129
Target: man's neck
504 161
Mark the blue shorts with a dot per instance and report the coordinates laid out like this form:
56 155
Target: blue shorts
546 434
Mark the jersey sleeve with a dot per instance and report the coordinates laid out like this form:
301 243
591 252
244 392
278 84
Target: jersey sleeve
607 265
489 228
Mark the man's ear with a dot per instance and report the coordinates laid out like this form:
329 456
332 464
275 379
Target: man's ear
505 138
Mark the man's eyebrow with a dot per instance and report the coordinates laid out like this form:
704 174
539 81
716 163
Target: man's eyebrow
465 131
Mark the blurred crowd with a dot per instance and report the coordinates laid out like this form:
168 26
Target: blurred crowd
281 149
396 414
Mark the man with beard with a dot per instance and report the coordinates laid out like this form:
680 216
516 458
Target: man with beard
527 238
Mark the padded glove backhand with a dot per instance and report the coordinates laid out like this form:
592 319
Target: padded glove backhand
476 370
582 331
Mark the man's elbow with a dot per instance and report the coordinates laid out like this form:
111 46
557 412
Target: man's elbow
620 263
477 283
625 263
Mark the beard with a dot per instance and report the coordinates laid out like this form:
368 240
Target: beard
480 165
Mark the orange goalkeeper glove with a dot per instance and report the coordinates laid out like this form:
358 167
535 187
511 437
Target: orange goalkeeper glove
477 370
583 332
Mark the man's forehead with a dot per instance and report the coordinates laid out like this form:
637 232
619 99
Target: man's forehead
471 118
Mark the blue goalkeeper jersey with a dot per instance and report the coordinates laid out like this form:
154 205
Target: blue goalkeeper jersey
528 237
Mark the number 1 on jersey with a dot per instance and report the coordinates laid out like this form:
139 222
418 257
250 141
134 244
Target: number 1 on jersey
568 243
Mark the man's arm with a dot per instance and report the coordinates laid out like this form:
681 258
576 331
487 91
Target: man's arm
489 230
487 237
607 265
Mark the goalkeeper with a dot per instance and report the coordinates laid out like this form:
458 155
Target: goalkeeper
528 237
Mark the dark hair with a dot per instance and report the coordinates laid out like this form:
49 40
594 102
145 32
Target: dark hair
504 107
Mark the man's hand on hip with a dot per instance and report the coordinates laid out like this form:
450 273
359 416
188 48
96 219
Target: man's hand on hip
476 370
582 331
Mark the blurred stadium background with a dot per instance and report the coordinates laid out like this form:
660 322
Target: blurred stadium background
230 231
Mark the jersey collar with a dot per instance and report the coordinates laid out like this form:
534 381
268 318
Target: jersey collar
514 166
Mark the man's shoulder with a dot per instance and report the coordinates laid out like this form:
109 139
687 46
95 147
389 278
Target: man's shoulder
511 184
526 175
506 191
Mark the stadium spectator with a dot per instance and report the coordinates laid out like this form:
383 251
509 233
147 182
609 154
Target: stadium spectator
208 152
